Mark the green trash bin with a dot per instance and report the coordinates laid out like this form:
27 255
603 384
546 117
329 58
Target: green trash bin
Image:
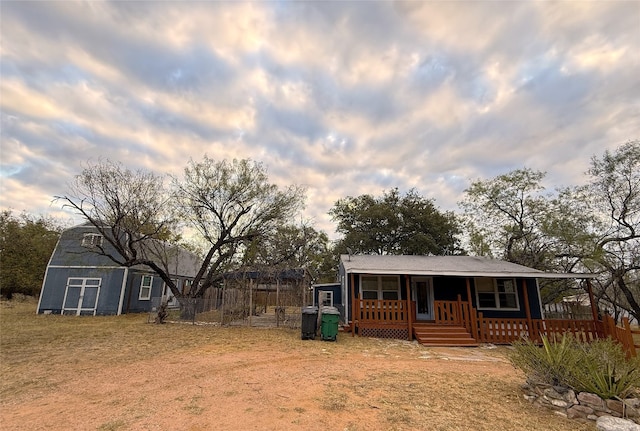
329 325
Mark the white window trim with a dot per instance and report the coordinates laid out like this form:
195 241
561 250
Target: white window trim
329 296
92 240
496 297
379 277
82 283
167 294
142 285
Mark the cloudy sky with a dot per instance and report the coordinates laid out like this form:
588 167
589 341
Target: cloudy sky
345 98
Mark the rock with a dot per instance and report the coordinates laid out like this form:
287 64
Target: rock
615 406
632 402
560 413
578 411
608 423
631 412
591 400
552 394
559 403
570 397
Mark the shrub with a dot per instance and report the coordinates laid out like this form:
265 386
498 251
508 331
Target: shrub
550 363
604 370
599 367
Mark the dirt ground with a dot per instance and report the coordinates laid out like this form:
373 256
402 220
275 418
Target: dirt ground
264 389
257 379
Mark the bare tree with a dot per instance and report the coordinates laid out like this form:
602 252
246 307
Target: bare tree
615 187
131 211
231 204
227 204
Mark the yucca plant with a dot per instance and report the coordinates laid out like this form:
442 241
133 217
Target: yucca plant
599 367
550 364
605 370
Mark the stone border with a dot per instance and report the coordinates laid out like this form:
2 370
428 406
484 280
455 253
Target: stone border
583 406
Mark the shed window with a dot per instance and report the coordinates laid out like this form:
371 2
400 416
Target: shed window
496 294
145 287
92 240
326 298
380 287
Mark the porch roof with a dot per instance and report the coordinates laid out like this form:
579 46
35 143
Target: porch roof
454 266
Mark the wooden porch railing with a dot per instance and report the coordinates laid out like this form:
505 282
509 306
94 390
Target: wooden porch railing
382 313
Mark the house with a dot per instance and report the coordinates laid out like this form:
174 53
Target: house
452 300
79 281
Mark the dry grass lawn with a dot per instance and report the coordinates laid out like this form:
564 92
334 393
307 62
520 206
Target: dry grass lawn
121 373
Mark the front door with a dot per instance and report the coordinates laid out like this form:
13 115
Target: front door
422 289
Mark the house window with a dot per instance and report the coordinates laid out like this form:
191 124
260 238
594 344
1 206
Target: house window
92 240
186 287
145 287
369 287
380 287
166 291
496 294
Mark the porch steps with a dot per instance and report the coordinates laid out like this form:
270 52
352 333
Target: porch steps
430 334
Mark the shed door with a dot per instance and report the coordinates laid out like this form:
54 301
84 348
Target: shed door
81 296
422 290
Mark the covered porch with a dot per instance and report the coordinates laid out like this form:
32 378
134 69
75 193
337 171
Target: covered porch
459 323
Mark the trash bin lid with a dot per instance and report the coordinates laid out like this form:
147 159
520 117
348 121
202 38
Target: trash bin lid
310 310
330 310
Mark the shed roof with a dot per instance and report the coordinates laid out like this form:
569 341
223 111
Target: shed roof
458 266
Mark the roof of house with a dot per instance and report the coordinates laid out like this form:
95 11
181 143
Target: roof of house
70 252
460 266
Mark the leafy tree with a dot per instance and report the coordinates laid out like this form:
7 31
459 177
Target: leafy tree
502 217
26 244
394 224
615 191
594 228
226 204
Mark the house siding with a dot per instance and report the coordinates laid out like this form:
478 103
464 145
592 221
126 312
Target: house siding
54 288
448 288
132 294
70 259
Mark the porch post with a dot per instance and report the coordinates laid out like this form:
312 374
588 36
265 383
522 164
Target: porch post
472 313
592 302
353 304
528 310
409 310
